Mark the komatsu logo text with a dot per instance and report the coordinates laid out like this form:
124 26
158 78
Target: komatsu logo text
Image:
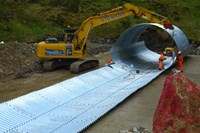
54 53
112 17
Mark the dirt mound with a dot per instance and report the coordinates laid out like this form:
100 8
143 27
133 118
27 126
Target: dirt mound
16 59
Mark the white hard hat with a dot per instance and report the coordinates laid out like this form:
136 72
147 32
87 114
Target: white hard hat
179 52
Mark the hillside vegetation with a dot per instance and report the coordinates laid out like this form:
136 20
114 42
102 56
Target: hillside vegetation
28 20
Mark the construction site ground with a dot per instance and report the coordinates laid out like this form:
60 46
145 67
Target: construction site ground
137 110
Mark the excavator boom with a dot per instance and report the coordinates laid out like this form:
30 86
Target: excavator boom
115 14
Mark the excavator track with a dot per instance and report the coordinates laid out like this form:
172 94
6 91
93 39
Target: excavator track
51 65
48 65
83 65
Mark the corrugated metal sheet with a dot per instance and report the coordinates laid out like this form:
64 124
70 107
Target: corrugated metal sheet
74 104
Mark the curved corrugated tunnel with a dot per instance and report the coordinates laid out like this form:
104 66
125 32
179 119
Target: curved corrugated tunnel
130 49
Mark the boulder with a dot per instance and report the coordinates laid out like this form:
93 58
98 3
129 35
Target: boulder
178 110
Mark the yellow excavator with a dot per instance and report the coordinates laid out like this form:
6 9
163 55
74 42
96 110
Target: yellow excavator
72 51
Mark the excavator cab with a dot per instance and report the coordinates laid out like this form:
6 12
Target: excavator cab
69 34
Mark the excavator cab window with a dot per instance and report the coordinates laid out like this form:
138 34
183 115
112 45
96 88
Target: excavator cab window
69 38
51 40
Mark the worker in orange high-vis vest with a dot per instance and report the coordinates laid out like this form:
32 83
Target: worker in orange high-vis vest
180 61
160 61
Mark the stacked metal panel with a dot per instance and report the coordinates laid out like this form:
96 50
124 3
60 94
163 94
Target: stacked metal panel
72 105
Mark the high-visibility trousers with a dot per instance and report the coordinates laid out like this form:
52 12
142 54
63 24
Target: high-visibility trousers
160 65
180 65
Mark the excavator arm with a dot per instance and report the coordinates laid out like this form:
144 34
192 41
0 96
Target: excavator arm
82 33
